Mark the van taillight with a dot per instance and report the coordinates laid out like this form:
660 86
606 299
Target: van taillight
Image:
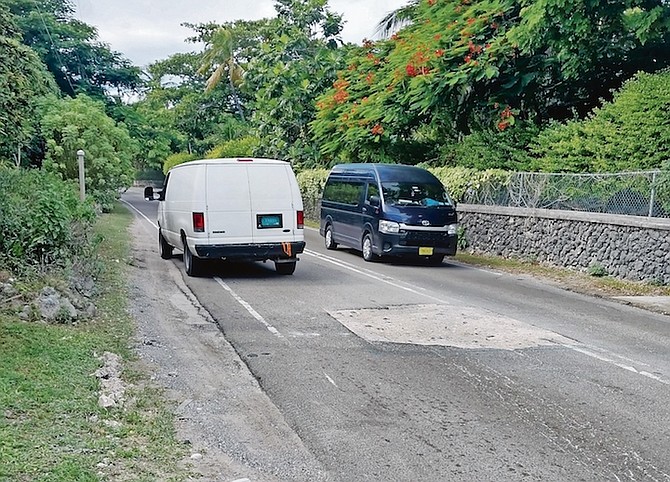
301 220
199 222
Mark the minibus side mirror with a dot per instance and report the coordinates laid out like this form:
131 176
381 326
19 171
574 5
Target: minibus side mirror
375 201
149 193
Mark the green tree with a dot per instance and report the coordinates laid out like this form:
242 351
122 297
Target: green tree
177 101
23 79
463 67
79 62
296 61
220 59
81 123
397 19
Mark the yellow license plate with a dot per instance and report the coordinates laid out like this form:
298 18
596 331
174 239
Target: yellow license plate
425 251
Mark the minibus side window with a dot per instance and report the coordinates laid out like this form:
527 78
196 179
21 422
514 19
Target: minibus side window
344 192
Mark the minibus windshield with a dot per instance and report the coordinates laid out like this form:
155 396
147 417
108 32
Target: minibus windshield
415 194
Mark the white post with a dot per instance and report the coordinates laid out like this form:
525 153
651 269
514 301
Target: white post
82 187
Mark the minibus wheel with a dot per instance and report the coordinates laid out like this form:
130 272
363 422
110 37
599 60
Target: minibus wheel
436 259
366 247
164 248
328 238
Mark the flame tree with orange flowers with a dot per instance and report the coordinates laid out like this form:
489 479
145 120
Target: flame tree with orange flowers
464 66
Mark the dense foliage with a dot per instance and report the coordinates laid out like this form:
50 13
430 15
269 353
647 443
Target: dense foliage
464 67
69 125
631 132
480 84
69 48
42 222
23 80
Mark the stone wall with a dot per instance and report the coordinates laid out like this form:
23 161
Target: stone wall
627 247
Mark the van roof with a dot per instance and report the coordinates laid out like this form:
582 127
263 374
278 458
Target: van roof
386 172
232 160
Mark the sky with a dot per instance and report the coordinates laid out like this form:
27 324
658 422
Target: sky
148 30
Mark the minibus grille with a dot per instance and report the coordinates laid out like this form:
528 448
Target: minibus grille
425 238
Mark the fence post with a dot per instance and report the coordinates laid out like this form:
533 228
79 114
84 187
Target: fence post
653 194
82 177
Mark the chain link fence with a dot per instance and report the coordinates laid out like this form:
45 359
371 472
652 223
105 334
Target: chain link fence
645 193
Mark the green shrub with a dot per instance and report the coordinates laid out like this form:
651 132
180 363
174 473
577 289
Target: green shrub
176 159
311 184
42 221
628 134
242 147
483 150
459 181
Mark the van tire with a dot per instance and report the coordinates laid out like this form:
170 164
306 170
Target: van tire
192 264
164 248
366 248
285 268
328 238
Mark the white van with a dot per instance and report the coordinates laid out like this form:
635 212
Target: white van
234 209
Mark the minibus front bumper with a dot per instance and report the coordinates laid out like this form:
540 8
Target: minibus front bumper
414 243
251 252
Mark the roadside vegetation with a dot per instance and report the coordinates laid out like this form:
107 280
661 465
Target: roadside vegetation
52 425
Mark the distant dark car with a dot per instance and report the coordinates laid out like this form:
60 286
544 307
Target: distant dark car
388 210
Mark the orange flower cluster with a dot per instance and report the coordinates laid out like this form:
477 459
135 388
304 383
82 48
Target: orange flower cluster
341 94
474 50
505 116
413 71
377 130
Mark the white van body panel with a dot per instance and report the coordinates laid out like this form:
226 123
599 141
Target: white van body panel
235 197
175 213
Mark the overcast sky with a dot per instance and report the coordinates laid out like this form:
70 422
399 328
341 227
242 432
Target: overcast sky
149 30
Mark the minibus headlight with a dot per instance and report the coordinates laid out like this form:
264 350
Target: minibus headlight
452 229
389 227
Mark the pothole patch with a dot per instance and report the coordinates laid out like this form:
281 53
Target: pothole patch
445 325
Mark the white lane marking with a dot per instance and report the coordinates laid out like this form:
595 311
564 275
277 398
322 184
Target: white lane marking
140 213
330 380
577 347
239 299
249 308
611 361
385 279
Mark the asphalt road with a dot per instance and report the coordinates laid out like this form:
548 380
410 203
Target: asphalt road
398 371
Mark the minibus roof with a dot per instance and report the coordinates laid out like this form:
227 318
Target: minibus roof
386 172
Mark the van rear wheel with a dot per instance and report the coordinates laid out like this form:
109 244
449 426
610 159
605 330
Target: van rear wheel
368 254
285 268
328 238
192 264
164 248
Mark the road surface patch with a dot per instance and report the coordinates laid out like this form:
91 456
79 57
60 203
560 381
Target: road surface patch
445 325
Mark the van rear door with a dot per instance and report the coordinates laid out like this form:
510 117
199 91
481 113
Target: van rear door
228 219
275 198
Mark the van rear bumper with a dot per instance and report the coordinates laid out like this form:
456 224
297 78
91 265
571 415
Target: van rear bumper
251 252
